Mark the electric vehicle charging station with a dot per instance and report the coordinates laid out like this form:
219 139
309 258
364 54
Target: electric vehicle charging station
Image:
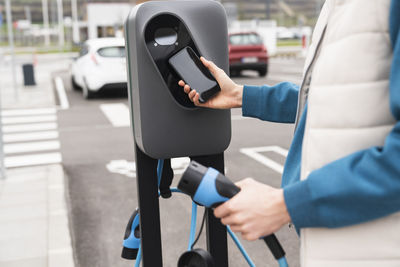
165 123
154 32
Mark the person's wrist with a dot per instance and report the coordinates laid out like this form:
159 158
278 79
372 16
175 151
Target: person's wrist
283 208
238 95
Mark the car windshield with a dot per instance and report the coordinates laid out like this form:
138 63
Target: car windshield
245 39
112 51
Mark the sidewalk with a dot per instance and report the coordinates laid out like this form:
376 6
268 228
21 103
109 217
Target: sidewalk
34 227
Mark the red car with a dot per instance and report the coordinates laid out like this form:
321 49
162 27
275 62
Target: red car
247 52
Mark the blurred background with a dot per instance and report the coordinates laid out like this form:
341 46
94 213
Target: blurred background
50 25
67 167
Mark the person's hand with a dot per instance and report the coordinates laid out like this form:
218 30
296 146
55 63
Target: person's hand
230 95
257 210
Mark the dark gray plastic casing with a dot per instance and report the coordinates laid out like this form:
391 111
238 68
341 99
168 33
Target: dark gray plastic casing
162 128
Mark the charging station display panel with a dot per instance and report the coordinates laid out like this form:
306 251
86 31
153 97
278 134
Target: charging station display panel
166 124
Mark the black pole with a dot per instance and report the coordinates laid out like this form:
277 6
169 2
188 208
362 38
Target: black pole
268 9
147 190
150 231
216 232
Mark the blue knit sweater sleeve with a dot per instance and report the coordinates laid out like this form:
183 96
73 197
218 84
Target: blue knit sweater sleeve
362 186
276 103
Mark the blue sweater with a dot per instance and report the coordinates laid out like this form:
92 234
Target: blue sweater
328 198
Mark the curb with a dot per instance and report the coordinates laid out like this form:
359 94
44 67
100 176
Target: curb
70 219
61 95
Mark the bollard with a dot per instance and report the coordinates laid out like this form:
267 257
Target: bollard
29 75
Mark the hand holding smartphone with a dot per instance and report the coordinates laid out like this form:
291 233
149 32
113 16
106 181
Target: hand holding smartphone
192 71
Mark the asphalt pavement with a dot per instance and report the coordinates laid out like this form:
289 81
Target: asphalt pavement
98 158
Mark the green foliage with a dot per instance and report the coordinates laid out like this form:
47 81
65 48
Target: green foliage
290 42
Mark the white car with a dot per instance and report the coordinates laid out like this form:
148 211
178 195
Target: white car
101 65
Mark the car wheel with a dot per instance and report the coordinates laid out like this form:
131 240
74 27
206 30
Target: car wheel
263 71
75 86
234 73
87 94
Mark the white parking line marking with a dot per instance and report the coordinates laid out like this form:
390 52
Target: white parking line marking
254 153
62 96
28 112
277 149
29 119
66 250
30 160
32 136
31 147
128 168
117 114
29 127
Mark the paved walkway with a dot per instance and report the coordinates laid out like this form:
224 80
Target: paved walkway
33 218
34 227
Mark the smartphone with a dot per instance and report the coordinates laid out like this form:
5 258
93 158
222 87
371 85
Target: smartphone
192 71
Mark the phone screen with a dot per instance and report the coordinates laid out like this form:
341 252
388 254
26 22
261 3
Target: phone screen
191 70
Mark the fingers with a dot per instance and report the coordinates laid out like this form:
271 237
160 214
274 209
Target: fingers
223 210
234 219
192 94
245 230
211 66
196 99
250 236
186 89
205 62
236 228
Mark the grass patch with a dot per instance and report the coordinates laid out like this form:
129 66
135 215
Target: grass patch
42 50
291 42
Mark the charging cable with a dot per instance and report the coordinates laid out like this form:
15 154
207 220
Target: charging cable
282 261
240 247
192 234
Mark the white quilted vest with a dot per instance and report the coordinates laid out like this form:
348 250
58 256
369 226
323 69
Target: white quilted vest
348 110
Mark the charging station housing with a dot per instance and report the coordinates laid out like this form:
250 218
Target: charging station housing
165 122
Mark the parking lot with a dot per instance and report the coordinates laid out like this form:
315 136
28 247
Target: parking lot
98 157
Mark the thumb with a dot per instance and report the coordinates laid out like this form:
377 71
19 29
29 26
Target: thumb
211 66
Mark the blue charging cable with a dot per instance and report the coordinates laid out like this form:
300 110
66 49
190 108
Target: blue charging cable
282 261
192 234
139 256
160 166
